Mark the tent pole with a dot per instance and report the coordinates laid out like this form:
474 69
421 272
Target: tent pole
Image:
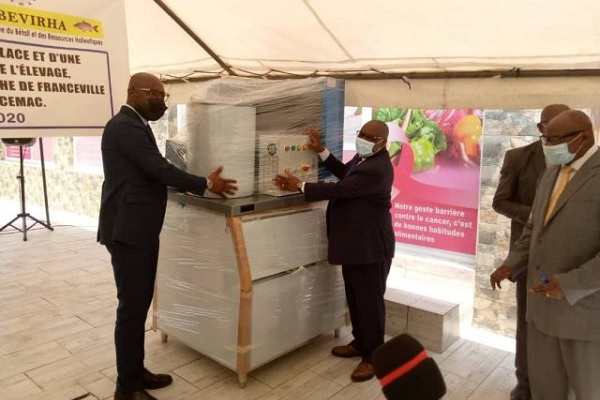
196 38
377 75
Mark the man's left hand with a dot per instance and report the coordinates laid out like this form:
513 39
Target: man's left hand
550 290
288 183
501 273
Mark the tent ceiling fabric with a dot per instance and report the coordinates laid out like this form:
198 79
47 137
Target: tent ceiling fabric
337 37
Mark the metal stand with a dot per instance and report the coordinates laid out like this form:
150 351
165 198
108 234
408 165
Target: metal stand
23 215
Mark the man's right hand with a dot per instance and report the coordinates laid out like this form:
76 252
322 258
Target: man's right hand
222 186
501 273
315 139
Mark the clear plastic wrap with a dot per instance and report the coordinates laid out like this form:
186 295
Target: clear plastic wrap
222 135
244 284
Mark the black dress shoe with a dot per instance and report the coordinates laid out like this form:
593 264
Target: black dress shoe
155 381
140 395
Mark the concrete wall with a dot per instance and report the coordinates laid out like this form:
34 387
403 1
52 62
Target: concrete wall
68 189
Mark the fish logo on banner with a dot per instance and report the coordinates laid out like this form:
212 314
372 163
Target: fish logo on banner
86 26
51 22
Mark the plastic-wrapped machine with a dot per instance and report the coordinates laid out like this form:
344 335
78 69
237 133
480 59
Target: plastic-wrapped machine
245 280
222 135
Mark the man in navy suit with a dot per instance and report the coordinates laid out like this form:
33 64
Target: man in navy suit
361 237
132 210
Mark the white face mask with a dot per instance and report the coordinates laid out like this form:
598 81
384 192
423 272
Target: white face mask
559 153
364 148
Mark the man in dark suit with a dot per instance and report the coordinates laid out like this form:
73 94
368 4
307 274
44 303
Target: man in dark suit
361 237
560 248
132 210
514 196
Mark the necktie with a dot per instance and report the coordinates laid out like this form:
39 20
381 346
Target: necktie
353 164
563 179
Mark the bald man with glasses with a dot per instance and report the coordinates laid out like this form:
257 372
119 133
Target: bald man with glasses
132 210
361 237
560 248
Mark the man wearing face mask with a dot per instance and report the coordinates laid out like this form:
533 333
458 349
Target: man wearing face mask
132 210
361 237
514 195
560 248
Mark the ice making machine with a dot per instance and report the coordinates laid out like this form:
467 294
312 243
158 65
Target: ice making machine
246 280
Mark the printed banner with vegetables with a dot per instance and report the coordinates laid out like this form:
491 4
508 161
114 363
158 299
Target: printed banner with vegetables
436 156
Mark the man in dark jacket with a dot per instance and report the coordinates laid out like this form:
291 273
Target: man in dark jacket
361 237
132 210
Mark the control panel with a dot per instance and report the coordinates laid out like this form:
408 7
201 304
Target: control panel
282 154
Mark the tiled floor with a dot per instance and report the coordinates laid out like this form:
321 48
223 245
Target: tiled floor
57 301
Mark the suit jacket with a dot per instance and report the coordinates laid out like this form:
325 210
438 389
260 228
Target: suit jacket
519 175
359 220
567 247
136 176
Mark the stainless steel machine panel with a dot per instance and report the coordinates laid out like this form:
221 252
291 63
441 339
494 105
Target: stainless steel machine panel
282 154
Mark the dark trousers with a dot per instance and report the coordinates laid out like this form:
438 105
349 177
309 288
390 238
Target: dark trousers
365 287
135 272
521 350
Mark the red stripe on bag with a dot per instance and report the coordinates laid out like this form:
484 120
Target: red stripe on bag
403 369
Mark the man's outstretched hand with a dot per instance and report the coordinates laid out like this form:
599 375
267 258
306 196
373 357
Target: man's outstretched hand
288 182
222 186
315 139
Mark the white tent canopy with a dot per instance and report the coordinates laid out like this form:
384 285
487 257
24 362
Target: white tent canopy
514 39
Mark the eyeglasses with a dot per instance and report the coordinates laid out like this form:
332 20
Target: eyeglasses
559 139
156 94
372 139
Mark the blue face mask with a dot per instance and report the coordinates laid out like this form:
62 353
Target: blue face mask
559 153
364 148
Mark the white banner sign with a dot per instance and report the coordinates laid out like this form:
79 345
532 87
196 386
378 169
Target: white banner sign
63 66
